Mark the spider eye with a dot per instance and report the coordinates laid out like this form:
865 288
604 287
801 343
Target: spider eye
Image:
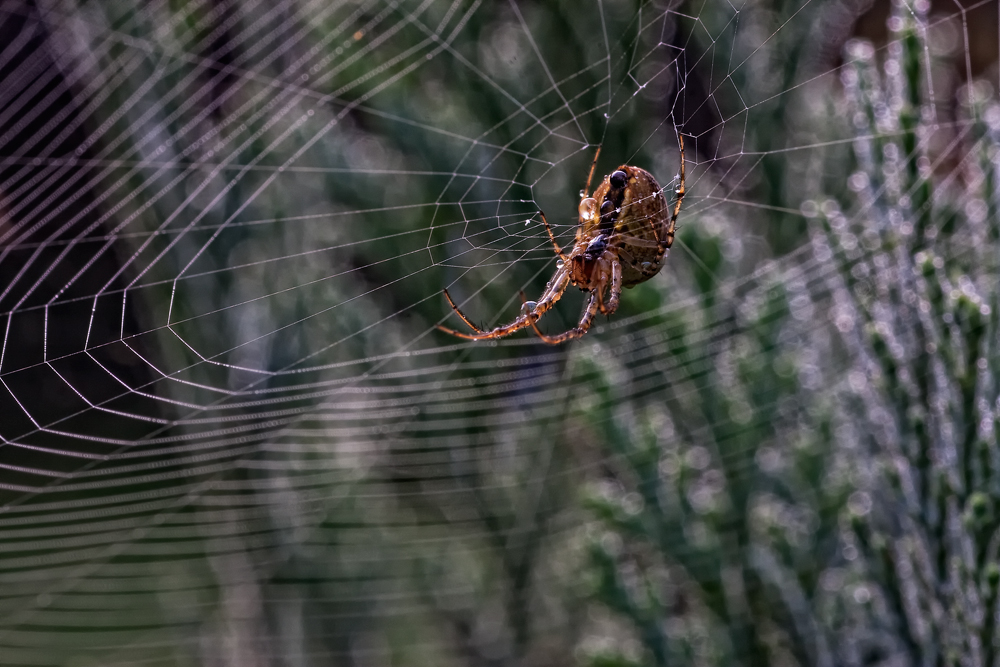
618 179
607 207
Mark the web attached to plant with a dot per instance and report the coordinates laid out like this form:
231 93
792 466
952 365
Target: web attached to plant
229 427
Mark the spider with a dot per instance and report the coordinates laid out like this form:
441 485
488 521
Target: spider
624 232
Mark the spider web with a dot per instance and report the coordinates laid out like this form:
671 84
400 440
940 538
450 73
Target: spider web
230 432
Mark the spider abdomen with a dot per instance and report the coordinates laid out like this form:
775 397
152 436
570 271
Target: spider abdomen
640 220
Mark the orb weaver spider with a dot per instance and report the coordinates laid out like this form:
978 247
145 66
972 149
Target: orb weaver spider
620 243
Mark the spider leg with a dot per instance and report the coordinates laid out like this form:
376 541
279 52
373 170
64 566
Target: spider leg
679 193
458 312
585 321
616 288
553 238
534 326
586 188
664 245
554 292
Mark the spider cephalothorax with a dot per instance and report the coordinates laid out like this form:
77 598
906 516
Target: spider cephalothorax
624 232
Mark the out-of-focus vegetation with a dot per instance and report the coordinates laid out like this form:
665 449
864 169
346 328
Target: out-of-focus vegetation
825 501
255 449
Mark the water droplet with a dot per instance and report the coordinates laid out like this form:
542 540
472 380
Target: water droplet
588 209
528 306
560 264
527 223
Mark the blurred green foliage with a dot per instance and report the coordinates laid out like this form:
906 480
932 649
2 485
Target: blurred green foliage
858 528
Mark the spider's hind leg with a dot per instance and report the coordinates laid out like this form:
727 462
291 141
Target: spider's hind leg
663 245
679 193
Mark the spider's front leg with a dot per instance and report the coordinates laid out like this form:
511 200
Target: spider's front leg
616 288
583 327
552 237
556 288
608 264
